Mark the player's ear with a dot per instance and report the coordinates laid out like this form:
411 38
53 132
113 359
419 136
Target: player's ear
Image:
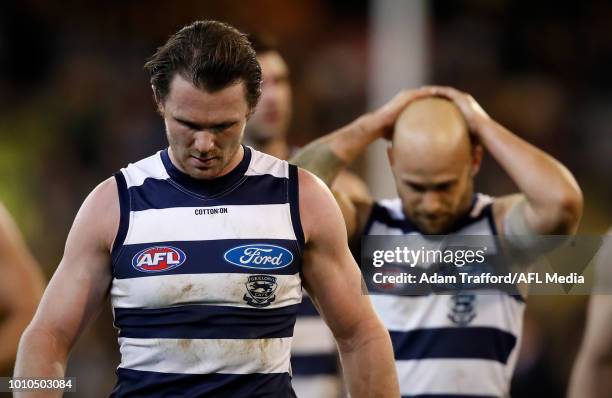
477 154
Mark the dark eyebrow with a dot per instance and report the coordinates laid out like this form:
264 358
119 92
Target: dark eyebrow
187 123
197 126
435 186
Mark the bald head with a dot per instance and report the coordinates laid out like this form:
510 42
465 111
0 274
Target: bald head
433 163
433 127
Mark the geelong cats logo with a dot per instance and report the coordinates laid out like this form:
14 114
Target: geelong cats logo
260 290
462 309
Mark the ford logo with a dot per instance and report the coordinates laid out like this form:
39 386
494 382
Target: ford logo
259 256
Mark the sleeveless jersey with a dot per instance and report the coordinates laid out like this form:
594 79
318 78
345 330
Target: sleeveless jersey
206 279
455 345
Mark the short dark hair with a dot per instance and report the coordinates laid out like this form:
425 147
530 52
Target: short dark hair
212 55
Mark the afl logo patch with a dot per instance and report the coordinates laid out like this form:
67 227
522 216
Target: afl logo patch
158 259
259 256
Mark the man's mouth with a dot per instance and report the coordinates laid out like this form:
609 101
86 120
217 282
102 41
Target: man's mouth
207 161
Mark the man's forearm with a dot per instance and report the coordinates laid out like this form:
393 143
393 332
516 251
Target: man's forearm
553 197
591 379
41 354
327 156
550 189
368 364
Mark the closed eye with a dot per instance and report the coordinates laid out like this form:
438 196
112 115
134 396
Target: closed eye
188 124
416 187
219 128
445 186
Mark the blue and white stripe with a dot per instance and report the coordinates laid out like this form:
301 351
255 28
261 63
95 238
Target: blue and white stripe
189 331
434 356
314 356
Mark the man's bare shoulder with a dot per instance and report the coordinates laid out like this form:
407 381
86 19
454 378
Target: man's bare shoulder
501 205
318 208
313 191
99 215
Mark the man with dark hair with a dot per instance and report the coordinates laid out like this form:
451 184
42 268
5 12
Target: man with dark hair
194 52
204 248
460 344
268 127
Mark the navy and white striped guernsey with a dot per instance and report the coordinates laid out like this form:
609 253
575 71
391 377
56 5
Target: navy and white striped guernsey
206 279
452 346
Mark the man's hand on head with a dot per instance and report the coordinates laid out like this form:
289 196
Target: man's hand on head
383 119
473 113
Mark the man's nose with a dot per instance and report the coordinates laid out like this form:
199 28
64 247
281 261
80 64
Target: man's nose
431 202
204 141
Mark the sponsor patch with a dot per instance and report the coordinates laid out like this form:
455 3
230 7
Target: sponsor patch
259 256
158 259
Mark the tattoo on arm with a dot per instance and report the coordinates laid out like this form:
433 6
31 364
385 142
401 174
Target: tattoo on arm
318 158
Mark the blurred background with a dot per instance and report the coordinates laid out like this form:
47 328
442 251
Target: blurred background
76 106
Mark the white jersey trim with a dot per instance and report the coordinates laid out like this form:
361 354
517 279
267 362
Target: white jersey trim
262 163
151 167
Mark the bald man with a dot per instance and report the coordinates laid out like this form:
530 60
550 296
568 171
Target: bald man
459 344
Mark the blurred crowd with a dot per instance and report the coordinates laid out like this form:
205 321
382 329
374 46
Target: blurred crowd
75 106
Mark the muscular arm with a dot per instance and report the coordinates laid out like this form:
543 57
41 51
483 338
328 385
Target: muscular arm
77 290
551 198
592 375
329 155
334 283
21 287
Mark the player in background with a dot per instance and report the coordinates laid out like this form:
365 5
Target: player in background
314 358
460 344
